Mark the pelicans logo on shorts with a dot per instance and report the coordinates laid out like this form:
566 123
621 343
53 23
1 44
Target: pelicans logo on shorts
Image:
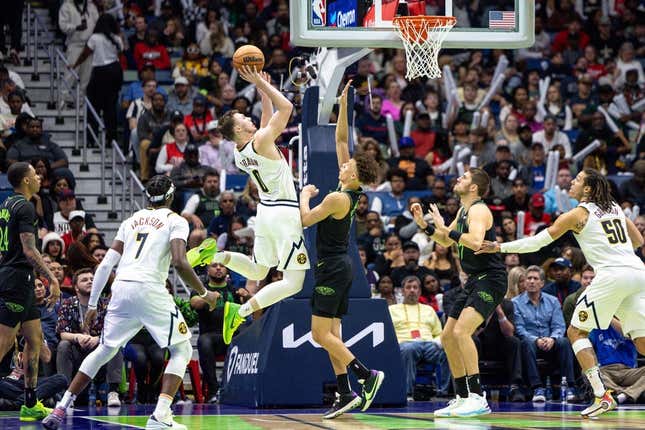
301 258
182 328
582 316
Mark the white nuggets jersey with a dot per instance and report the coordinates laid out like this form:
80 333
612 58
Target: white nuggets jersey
604 240
272 177
146 237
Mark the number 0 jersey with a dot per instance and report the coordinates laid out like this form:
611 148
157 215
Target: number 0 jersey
604 240
146 237
272 177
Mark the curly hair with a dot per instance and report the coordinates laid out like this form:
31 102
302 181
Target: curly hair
367 168
600 189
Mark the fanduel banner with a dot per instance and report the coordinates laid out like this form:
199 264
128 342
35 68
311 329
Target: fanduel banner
279 348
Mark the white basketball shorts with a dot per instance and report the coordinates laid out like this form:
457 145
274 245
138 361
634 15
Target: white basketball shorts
619 292
279 239
135 305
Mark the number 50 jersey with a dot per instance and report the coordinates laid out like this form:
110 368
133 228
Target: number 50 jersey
604 240
146 237
272 177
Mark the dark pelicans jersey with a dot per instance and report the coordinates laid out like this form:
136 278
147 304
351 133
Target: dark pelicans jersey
17 215
332 237
476 264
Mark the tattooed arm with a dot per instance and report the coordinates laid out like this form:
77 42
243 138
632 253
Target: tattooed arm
32 254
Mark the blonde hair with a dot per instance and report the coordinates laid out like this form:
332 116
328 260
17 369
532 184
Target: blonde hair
514 276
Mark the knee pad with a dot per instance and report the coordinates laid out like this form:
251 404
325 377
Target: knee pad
180 355
97 359
295 279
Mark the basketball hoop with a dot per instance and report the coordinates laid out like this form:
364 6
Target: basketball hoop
422 38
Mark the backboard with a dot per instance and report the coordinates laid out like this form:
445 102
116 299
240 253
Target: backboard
509 24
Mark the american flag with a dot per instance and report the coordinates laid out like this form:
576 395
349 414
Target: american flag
499 19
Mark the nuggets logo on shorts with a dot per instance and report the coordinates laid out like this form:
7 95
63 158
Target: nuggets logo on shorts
301 258
582 316
182 328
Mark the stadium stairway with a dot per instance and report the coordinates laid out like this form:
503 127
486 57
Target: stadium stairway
87 182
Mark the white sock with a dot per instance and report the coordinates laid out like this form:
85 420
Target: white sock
622 397
67 400
245 310
593 375
163 407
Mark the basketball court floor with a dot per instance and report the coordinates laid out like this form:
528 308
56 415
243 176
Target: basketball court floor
418 415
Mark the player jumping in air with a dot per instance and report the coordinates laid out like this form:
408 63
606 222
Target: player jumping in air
607 239
279 238
333 272
480 296
144 247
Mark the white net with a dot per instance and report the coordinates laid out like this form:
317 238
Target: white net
422 38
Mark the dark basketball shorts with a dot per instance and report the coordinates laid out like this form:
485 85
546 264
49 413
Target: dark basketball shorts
17 299
333 280
483 292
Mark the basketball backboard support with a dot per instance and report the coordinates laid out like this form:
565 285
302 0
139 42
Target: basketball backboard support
368 23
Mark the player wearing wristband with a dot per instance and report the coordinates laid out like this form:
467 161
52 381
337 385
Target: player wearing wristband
607 239
480 296
144 247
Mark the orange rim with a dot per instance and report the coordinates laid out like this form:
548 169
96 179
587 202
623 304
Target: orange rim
422 23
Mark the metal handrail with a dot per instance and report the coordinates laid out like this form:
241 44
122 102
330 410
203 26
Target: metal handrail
56 80
99 140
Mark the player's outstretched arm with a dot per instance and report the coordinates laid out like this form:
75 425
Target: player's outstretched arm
334 204
265 137
187 274
634 235
342 128
267 104
574 220
438 236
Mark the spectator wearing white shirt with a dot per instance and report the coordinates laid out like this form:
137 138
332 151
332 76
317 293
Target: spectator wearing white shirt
7 87
550 136
137 108
104 46
77 19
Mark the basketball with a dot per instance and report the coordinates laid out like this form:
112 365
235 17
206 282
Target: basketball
248 55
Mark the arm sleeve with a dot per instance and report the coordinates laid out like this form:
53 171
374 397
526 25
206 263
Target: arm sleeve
65 21
162 166
91 42
191 205
528 244
101 276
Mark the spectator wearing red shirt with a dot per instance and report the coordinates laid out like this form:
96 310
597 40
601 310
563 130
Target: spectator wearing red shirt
536 216
152 52
423 136
573 32
197 120
76 228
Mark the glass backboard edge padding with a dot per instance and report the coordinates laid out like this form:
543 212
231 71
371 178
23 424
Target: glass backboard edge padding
302 35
